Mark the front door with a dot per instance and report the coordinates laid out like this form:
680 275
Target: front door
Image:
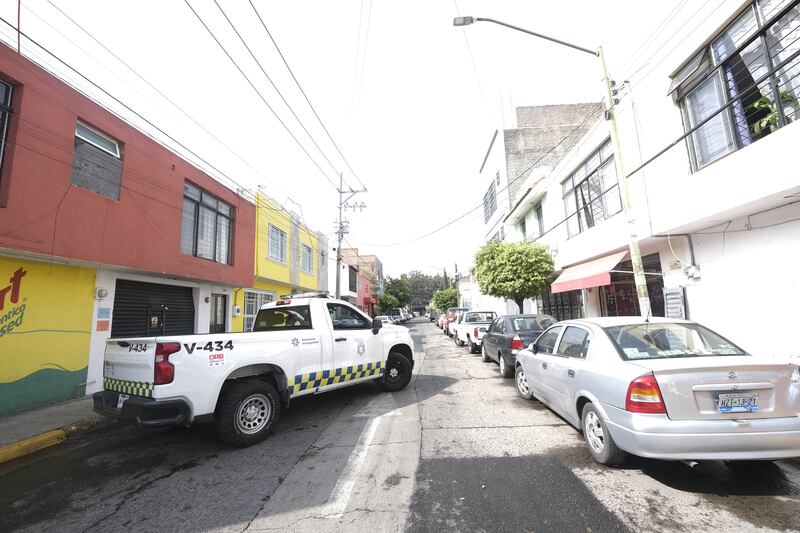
219 307
567 366
357 351
543 361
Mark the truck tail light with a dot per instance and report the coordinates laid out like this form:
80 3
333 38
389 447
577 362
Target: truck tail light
164 371
644 396
475 333
516 343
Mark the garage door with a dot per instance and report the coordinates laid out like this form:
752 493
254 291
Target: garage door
149 309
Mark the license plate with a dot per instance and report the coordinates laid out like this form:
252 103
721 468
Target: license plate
738 403
121 399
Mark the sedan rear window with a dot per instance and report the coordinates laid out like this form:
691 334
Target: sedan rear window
283 318
533 323
663 340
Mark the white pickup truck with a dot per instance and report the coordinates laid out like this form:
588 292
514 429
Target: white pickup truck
298 346
470 329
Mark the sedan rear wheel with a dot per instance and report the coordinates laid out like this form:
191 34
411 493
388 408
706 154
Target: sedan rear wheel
522 384
601 444
505 371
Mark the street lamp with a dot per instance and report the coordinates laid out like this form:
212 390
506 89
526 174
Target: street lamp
610 114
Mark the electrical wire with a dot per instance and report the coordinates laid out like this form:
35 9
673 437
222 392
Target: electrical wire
346 162
280 94
261 96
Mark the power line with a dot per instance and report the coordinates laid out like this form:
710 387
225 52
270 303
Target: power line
306 97
261 67
519 176
154 88
261 96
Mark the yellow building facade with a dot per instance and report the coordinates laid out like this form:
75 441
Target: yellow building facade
289 258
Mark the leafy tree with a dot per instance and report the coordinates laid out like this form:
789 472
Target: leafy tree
513 270
445 298
388 303
399 288
422 286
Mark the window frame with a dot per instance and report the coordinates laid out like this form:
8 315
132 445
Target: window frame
367 321
283 244
203 201
304 248
560 329
6 110
88 139
268 296
586 343
579 178
709 66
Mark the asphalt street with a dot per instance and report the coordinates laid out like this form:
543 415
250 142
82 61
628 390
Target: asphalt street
458 450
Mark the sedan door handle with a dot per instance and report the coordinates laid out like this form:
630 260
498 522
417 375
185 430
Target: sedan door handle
571 373
544 365
340 339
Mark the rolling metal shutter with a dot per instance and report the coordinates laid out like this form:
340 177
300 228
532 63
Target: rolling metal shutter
134 301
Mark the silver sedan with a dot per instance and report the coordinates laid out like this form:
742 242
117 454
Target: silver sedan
663 388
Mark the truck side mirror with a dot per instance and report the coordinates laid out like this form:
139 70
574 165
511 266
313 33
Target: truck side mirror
533 347
376 325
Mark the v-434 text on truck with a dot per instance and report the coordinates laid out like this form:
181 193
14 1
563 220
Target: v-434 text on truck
241 381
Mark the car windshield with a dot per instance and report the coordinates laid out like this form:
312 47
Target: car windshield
479 317
663 340
533 323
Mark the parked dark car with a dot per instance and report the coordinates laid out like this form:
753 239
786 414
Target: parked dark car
510 333
433 316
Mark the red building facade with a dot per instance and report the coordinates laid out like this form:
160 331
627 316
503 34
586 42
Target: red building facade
116 234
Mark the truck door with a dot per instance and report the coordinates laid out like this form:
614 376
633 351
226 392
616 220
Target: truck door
357 351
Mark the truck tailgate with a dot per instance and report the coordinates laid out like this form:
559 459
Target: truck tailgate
128 366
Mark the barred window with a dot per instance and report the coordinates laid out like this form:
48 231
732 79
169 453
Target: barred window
591 193
745 84
252 303
489 203
207 225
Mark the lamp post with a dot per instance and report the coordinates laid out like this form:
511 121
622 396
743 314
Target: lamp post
610 115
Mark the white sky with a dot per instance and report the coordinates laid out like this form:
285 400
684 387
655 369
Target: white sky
393 82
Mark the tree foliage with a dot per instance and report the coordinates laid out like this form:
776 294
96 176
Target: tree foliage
422 286
399 288
444 298
513 270
388 303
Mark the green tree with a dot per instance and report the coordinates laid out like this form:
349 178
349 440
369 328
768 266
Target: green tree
514 271
388 303
399 288
445 298
422 286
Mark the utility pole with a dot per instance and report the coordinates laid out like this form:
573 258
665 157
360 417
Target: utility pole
342 228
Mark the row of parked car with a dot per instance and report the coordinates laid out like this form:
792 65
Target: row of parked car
657 387
398 316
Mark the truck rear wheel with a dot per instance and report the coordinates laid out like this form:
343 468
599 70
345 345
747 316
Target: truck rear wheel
246 412
398 373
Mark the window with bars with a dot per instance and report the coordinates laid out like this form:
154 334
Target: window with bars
489 203
591 193
563 305
307 259
5 114
277 244
252 303
745 84
207 225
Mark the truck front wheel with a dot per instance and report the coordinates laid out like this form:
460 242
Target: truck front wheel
398 373
246 413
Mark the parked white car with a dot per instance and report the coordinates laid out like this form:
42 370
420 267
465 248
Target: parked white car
298 346
471 327
663 388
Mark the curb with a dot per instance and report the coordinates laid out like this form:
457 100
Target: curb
44 440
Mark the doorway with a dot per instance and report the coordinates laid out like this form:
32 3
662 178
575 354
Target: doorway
219 308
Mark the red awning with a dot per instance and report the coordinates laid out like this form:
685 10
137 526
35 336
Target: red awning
590 274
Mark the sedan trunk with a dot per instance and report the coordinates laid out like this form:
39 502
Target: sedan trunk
734 387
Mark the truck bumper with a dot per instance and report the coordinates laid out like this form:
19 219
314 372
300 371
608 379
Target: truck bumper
144 412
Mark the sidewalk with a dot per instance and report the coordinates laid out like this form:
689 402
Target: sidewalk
33 430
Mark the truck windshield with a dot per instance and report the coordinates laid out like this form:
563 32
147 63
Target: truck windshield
283 318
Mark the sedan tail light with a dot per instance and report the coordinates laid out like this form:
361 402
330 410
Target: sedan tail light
644 396
164 371
516 343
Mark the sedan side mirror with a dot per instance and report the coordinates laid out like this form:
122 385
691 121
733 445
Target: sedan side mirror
377 324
